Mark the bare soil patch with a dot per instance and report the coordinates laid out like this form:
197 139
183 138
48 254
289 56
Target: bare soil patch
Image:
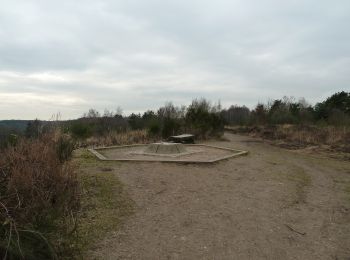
271 204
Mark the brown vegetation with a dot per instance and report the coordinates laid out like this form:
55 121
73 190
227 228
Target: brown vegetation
117 138
331 138
39 197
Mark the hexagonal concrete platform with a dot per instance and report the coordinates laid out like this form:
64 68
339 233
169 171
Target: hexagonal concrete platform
191 153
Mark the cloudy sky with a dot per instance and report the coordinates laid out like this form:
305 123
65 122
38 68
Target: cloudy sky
67 56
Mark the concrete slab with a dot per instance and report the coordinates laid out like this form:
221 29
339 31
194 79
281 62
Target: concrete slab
165 148
199 153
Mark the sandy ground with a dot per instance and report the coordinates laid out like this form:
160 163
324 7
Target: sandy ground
271 204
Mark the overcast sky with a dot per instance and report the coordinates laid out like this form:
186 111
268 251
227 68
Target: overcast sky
67 56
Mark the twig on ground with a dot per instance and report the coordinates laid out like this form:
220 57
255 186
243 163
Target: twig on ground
161 191
296 231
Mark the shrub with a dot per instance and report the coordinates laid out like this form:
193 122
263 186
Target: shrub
339 101
135 121
80 130
170 127
7 140
64 147
171 119
38 199
154 128
236 115
34 129
259 114
338 118
203 119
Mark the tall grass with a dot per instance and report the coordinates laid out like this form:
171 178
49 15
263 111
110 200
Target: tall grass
39 197
119 138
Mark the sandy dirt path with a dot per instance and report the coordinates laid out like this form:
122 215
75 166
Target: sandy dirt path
271 204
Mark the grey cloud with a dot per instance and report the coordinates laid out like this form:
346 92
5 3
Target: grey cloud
139 54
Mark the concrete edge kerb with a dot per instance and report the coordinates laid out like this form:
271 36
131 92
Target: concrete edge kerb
236 153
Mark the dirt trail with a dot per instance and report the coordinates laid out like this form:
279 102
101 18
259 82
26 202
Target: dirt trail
271 204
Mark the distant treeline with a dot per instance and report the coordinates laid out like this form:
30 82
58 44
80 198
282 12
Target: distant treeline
201 118
205 119
335 110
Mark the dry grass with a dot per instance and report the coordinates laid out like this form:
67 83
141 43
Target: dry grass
329 135
297 136
39 195
116 138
